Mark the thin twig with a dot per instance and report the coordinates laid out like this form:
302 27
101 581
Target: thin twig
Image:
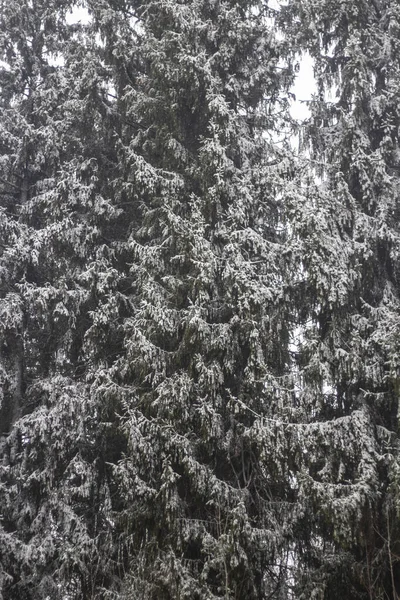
390 555
16 187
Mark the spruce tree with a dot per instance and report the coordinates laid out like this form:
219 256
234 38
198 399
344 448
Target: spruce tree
57 281
348 308
202 497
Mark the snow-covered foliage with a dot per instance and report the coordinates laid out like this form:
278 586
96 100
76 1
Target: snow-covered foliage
348 248
198 329
57 276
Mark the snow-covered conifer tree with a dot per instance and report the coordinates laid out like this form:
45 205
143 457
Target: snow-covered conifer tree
348 308
57 288
205 504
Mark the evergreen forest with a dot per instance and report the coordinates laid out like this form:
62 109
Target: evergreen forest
199 301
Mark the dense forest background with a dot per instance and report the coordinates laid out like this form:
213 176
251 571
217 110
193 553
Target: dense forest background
199 301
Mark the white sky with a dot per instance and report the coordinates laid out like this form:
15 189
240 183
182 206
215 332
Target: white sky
78 15
303 88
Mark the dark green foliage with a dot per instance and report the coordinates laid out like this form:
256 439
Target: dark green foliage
349 353
206 307
143 302
198 329
56 268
